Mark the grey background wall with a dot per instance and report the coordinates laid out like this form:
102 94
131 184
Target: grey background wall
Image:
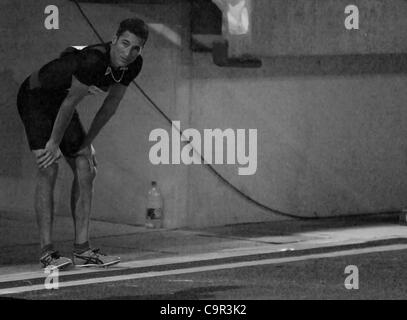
311 27
331 138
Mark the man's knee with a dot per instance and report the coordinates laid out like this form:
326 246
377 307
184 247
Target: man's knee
50 173
85 168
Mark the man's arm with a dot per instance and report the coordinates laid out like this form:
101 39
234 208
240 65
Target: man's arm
107 110
76 93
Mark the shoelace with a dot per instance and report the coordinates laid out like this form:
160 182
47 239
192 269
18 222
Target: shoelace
48 258
97 252
55 255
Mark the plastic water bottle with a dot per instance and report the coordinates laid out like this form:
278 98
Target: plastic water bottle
154 214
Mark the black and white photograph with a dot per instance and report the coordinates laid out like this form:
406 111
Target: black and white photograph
203 154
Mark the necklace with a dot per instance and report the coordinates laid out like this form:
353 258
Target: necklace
109 70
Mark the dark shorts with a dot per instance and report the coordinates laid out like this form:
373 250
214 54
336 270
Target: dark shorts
38 110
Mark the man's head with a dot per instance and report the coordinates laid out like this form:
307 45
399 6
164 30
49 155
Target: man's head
128 42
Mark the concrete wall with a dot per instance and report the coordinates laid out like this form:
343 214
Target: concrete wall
327 145
329 106
330 138
312 27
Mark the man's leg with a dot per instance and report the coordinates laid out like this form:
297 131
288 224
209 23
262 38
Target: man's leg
38 114
44 202
44 210
84 172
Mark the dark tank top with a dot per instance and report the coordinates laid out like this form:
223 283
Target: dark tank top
91 66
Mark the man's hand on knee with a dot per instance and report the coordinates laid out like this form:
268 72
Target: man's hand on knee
47 156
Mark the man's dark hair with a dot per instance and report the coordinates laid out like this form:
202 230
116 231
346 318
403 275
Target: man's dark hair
135 26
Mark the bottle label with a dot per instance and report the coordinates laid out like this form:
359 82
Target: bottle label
154 213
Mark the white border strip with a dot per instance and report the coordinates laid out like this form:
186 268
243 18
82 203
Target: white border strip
227 253
206 268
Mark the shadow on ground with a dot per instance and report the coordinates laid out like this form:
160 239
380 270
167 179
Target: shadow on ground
187 294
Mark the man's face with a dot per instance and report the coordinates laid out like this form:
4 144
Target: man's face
125 49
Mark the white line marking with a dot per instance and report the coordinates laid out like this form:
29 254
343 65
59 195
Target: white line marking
149 263
228 253
206 268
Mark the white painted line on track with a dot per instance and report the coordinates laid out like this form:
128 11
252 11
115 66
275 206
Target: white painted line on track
153 262
227 253
207 268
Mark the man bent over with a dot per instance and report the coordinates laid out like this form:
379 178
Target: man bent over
46 103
